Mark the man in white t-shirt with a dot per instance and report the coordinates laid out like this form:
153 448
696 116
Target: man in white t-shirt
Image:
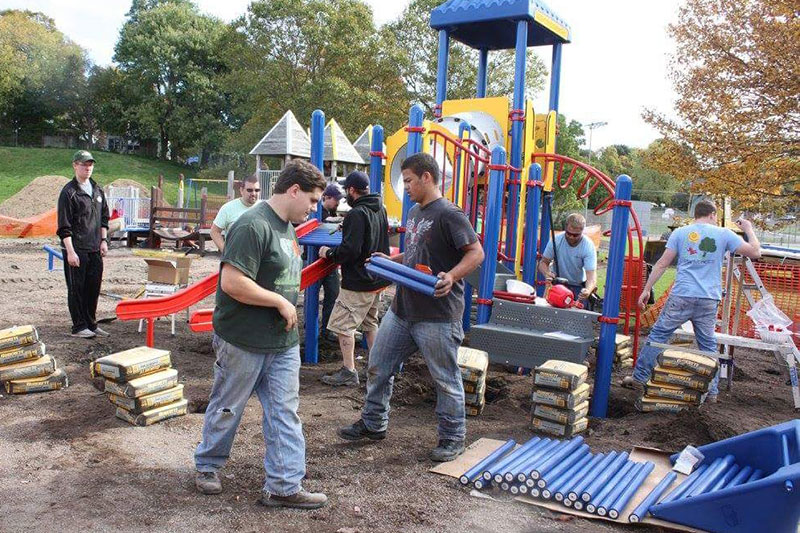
250 190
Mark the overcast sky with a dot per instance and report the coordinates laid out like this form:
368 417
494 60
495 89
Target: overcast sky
613 69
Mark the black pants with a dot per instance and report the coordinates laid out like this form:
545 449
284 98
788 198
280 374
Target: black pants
83 288
330 284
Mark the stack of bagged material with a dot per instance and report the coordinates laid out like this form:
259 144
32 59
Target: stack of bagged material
143 386
560 398
679 381
24 364
623 353
474 365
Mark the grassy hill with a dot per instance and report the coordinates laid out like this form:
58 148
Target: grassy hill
19 166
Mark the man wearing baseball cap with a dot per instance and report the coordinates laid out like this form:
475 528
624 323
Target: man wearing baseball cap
365 230
330 283
83 230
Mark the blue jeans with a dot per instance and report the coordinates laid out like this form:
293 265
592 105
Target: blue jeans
438 342
275 378
702 312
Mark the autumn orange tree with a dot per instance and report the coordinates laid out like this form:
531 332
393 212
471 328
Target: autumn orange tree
737 75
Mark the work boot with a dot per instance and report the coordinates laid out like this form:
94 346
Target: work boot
344 377
84 334
208 482
630 383
101 332
711 398
298 500
359 431
447 450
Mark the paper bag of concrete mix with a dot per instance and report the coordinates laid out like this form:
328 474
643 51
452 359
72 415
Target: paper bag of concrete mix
131 364
690 362
21 353
151 401
652 405
473 363
149 384
55 381
560 374
154 415
672 392
681 378
18 336
562 416
562 399
560 430
43 366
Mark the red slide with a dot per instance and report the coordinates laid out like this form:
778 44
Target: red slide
151 308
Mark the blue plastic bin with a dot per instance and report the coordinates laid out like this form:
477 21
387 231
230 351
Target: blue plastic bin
769 504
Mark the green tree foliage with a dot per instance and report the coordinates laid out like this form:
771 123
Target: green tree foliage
308 54
41 77
169 55
418 65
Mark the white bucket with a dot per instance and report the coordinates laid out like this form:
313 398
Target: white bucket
519 287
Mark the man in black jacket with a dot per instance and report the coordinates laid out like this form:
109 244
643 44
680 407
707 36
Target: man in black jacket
83 230
365 230
330 283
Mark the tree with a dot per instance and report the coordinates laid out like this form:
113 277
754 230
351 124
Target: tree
418 67
41 74
169 54
308 54
737 131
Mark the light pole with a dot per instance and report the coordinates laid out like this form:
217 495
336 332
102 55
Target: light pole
591 127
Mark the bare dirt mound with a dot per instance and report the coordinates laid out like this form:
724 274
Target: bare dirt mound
144 191
38 196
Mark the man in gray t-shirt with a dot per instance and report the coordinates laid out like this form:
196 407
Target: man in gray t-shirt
439 239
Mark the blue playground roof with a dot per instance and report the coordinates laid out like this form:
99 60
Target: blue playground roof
492 24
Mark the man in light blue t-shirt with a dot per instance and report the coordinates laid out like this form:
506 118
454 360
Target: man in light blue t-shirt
231 211
700 248
575 258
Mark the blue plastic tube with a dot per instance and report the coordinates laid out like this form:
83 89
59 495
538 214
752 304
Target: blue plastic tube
400 280
644 507
741 477
577 490
561 493
630 490
567 476
472 474
500 465
724 480
561 467
539 456
542 469
755 476
602 477
621 477
511 471
713 474
678 491
408 272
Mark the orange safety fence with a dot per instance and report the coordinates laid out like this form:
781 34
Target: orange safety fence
41 225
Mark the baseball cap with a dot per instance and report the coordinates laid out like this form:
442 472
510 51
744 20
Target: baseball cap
333 191
358 180
82 156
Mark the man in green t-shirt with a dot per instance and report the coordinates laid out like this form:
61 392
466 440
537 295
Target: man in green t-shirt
256 341
231 211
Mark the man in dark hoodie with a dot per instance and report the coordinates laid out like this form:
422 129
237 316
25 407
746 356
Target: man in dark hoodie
83 230
365 230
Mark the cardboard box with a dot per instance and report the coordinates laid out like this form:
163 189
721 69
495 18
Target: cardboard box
172 271
154 415
149 384
130 364
151 401
18 336
55 381
21 353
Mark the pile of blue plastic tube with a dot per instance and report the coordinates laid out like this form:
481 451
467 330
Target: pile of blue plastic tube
562 470
402 275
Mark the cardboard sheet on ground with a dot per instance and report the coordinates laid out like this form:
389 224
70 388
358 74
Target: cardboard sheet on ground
483 447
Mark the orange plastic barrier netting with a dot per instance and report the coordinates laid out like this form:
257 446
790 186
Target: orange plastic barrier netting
42 225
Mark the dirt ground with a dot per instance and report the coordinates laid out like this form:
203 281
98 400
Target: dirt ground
68 464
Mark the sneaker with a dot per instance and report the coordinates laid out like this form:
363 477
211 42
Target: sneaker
344 377
208 482
298 500
711 398
84 334
630 383
447 450
359 431
101 332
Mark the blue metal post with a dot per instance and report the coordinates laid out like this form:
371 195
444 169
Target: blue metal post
492 217
415 116
518 118
544 236
532 223
608 327
483 72
464 126
376 160
441 73
555 77
311 300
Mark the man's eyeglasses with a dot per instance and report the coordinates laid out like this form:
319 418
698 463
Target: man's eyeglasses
573 235
253 190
